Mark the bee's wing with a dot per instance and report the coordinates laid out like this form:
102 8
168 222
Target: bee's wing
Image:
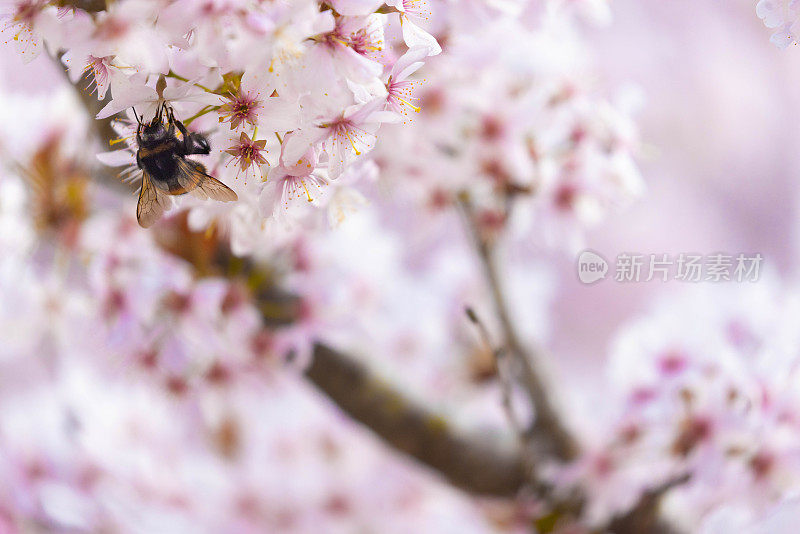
193 178
152 203
210 187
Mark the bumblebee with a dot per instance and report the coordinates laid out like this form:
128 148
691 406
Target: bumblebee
165 168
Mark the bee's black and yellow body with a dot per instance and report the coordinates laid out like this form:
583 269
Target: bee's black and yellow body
161 154
166 169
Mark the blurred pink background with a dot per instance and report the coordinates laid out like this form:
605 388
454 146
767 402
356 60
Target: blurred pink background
720 121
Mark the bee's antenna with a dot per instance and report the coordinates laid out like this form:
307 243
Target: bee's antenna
136 115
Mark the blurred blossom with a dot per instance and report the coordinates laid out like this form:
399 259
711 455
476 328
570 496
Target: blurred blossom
716 402
501 125
783 16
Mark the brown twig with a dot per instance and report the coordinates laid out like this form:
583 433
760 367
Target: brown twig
547 434
506 382
645 516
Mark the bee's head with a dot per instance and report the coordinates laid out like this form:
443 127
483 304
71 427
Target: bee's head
153 131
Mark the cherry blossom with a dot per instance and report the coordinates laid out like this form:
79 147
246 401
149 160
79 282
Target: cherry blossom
246 152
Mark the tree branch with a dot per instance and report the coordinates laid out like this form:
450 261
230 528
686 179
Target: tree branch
472 463
547 434
90 6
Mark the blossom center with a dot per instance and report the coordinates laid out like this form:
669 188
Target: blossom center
239 108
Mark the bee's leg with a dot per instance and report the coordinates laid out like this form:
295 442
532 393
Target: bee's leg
197 144
193 143
181 127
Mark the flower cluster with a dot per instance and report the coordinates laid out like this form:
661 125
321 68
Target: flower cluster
717 403
291 95
499 128
508 129
299 86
